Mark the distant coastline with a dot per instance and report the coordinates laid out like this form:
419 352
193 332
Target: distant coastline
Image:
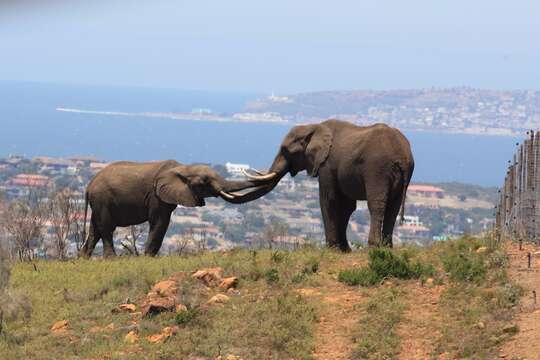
276 119
237 118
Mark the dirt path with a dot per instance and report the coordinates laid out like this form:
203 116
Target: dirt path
340 312
339 319
526 343
416 327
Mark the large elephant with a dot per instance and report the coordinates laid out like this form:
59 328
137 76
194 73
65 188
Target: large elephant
128 193
372 163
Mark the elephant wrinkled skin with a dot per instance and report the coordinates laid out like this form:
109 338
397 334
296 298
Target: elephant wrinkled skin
128 193
372 163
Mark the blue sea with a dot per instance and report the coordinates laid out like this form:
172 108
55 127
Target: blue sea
31 126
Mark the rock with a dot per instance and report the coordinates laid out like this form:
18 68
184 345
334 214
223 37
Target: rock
125 308
218 299
233 292
480 325
211 277
110 327
164 288
510 329
166 333
180 308
308 292
131 337
156 305
430 282
60 327
229 283
482 250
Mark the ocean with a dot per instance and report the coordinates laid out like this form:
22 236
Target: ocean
31 126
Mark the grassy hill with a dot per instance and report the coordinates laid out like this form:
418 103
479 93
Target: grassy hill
453 300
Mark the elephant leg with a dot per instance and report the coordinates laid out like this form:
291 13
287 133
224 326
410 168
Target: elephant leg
90 243
346 208
376 210
336 210
389 221
108 244
158 228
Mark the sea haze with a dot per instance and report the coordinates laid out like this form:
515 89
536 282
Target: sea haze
32 126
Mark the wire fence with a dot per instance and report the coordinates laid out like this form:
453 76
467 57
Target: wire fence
518 211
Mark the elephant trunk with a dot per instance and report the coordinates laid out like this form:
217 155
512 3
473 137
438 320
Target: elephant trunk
225 188
279 167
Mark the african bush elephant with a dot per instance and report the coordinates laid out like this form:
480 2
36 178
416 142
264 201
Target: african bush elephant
372 163
128 193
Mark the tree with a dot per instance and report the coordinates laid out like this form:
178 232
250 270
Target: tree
64 213
23 221
5 272
181 241
130 240
273 231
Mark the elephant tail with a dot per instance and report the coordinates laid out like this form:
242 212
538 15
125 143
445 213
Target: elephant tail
406 180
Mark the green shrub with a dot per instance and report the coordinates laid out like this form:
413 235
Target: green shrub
362 276
272 276
278 256
464 267
185 317
383 263
311 267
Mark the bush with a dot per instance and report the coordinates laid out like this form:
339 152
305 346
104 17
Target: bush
311 267
185 317
465 267
272 276
363 277
383 263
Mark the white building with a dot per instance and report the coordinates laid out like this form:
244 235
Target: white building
236 169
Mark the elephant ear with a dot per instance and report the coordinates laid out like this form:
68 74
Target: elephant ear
171 187
318 149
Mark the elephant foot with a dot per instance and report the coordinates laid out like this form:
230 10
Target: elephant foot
109 255
345 248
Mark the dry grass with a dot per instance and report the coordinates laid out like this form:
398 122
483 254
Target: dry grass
288 305
265 320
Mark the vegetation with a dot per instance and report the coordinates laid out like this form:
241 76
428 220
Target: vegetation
479 302
383 263
376 336
260 321
277 309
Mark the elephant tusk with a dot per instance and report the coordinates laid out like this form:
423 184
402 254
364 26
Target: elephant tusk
260 177
227 195
257 172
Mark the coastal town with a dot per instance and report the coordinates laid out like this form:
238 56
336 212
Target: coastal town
455 110
288 217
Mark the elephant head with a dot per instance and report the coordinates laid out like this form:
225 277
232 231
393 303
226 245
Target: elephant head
189 185
306 147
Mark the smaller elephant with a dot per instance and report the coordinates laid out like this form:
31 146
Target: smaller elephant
129 193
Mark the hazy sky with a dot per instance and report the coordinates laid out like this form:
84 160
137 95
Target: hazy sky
280 45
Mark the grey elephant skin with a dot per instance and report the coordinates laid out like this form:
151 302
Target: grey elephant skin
372 163
130 193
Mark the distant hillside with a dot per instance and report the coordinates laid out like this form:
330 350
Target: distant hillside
456 109
458 189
